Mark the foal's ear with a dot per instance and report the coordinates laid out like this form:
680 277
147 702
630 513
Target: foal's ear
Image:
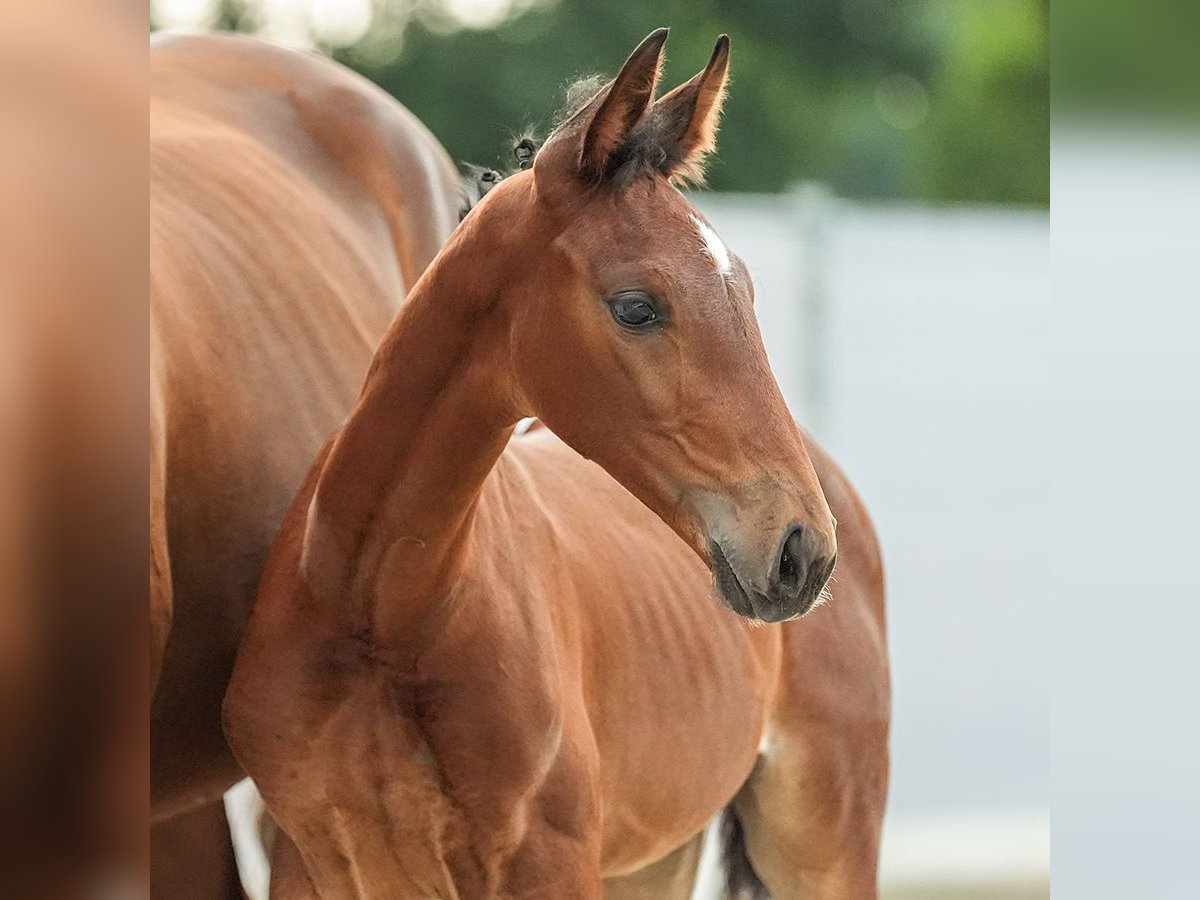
620 105
686 119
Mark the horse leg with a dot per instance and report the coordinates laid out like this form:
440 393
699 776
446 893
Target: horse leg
191 857
812 811
671 878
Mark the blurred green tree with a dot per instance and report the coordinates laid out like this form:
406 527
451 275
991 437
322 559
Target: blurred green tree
943 100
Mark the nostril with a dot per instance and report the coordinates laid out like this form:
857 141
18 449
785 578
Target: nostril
791 561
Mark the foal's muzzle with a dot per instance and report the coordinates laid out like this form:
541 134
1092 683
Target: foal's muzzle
802 565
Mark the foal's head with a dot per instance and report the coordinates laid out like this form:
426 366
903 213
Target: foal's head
634 338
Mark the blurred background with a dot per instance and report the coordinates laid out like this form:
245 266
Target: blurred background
933 100
1126 281
883 168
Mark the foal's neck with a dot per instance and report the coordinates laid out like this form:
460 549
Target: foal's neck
390 520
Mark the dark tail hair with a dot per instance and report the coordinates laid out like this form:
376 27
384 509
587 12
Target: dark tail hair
741 881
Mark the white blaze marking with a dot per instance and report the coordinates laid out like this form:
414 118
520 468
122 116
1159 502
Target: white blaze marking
714 247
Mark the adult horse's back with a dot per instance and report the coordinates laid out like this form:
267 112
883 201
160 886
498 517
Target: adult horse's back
292 206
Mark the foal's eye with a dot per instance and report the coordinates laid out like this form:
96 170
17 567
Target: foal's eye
635 311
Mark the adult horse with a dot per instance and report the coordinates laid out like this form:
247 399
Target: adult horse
481 666
292 206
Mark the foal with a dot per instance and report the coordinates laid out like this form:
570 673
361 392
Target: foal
481 666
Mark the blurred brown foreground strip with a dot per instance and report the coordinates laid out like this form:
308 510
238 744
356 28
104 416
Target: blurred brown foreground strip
73 626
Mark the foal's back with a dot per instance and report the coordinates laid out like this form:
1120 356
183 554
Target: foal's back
292 205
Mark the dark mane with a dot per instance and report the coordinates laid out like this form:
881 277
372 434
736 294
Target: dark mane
478 180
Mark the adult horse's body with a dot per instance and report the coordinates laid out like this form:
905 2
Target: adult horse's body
292 206
482 667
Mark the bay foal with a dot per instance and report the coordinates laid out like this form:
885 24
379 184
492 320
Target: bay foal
486 666
292 205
